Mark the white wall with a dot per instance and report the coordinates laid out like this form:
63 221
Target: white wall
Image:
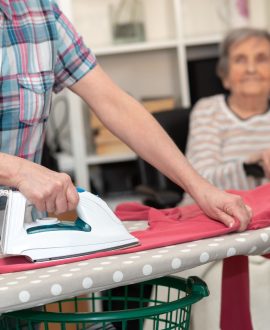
155 73
93 18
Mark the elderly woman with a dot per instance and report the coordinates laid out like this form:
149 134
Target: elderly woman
230 132
229 144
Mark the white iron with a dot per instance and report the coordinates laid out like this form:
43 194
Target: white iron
96 229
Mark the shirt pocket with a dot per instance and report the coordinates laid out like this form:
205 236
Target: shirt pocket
35 96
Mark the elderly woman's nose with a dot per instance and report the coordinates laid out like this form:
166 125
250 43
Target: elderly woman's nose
251 66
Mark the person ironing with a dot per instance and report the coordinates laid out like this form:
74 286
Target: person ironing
41 53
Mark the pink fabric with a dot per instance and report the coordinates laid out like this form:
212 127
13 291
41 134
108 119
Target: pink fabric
166 227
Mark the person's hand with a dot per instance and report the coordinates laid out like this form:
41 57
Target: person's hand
224 207
48 190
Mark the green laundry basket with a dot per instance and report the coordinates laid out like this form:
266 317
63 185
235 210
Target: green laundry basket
168 307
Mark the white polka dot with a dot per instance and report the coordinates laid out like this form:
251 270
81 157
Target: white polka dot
157 256
213 244
87 283
67 275
264 237
134 257
219 239
29 272
253 249
176 263
52 270
163 251
113 257
118 276
12 283
98 268
44 276
75 269
142 252
24 296
105 263
128 262
56 289
231 252
204 257
185 250
3 288
20 278
82 264
35 281
244 234
240 239
147 270
1 278
191 245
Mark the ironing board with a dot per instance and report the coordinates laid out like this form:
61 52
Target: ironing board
27 289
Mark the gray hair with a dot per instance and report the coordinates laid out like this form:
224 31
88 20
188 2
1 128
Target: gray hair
233 37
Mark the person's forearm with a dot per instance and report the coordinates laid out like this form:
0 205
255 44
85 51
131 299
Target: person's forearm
156 147
9 167
145 136
129 121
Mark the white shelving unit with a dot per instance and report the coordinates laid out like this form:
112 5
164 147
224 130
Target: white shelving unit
160 61
134 48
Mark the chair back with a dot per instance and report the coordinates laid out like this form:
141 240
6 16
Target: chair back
176 124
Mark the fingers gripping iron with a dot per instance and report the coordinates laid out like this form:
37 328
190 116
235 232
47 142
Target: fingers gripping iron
96 229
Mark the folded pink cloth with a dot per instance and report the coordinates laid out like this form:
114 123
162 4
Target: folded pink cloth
191 217
166 227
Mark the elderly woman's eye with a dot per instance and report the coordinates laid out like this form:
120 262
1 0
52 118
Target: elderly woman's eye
239 59
261 58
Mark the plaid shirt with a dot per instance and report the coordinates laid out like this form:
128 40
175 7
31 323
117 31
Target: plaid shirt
40 52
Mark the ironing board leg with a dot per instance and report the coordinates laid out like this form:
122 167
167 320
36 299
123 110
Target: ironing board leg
235 302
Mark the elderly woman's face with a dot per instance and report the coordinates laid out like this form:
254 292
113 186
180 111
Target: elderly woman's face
249 68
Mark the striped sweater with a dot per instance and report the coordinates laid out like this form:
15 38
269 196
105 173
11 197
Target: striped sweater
219 142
